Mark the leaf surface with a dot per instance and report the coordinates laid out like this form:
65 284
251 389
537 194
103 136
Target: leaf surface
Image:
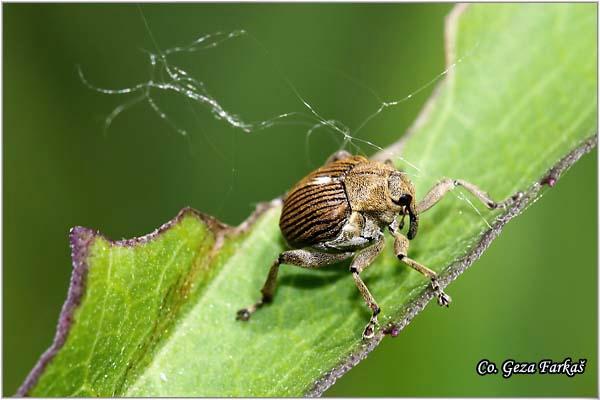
155 316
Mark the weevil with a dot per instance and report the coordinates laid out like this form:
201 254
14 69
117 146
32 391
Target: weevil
342 209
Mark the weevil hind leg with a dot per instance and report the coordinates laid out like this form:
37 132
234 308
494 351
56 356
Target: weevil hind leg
401 249
437 192
301 258
361 261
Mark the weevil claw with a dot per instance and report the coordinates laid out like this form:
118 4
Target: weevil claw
369 331
243 315
443 299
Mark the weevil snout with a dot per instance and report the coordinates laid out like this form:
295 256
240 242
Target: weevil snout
402 193
414 220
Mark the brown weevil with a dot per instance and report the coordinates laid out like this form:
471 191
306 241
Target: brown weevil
341 210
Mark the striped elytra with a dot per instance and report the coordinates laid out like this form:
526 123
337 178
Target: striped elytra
316 208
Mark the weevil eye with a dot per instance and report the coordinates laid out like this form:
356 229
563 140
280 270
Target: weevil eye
404 200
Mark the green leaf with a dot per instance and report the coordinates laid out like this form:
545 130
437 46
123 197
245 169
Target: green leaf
155 316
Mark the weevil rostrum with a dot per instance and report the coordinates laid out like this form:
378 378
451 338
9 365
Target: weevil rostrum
341 210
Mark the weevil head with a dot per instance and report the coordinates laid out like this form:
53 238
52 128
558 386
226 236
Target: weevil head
402 193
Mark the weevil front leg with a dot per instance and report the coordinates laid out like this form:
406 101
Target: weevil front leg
361 261
401 249
438 191
300 258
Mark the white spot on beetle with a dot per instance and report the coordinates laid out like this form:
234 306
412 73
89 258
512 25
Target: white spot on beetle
323 180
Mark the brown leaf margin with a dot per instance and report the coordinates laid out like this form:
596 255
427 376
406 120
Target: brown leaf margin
81 238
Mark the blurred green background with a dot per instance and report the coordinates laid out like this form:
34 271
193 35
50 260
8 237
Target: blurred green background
532 295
